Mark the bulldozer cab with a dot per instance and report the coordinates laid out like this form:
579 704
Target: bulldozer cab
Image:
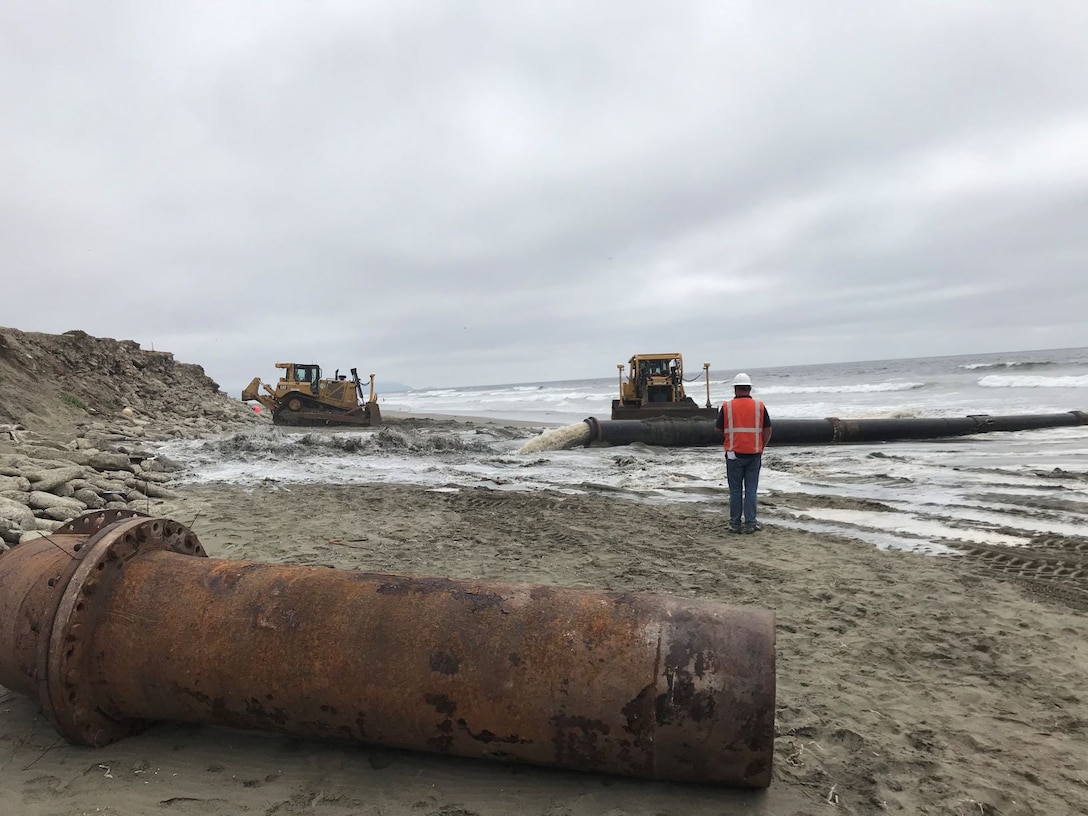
299 377
655 378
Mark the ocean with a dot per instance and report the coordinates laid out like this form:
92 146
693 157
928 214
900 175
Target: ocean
930 496
1009 383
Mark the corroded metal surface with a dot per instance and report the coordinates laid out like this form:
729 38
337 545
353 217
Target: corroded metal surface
634 684
54 592
94 521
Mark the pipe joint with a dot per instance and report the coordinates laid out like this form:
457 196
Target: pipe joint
65 690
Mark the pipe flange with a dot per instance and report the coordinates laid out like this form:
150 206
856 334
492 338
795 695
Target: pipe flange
66 687
90 523
838 429
594 430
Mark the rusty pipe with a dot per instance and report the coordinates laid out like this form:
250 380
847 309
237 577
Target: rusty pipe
112 623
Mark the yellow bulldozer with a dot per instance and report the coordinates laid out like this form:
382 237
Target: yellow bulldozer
655 387
302 397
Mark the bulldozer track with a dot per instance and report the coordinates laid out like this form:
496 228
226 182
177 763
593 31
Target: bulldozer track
1053 570
1061 594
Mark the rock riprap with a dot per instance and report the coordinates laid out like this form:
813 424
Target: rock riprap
43 485
78 418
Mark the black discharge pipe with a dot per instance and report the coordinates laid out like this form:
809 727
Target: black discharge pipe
691 433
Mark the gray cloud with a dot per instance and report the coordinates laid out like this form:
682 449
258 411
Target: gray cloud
460 193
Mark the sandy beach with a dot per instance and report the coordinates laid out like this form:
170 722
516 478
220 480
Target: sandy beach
907 683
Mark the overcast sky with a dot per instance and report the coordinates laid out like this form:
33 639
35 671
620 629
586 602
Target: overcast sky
458 193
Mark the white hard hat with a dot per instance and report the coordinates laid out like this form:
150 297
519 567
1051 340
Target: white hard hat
742 379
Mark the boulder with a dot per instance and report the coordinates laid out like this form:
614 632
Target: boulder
90 498
112 496
60 514
162 464
52 444
65 491
14 432
148 489
16 512
155 476
9 531
49 480
13 464
133 496
14 484
157 491
101 483
103 461
44 501
44 454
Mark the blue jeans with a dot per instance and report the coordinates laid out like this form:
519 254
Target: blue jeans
742 474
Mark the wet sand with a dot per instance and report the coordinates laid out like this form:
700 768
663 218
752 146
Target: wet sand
907 683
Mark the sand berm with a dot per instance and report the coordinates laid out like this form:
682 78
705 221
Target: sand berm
907 683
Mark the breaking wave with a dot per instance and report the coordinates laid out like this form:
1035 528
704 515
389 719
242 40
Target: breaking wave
1009 364
1021 381
858 388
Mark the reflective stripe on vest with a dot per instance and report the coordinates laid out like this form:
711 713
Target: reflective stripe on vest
743 425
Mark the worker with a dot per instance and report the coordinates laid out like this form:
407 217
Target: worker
746 430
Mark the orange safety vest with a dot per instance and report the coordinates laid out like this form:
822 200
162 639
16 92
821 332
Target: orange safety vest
743 425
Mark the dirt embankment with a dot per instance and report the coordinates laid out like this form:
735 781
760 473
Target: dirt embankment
75 411
59 385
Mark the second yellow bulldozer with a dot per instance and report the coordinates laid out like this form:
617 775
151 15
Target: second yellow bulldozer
302 397
655 387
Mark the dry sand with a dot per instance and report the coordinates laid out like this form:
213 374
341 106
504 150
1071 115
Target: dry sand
906 683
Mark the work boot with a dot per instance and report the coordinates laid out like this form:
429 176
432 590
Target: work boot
735 528
753 528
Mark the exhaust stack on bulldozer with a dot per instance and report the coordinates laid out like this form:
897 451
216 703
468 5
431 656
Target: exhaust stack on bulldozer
303 398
